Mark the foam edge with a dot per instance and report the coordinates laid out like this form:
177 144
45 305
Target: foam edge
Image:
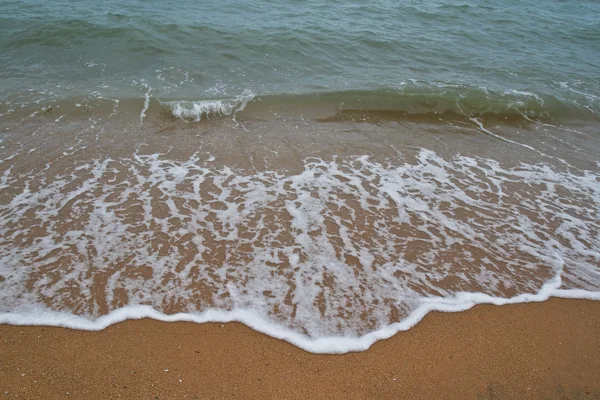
327 345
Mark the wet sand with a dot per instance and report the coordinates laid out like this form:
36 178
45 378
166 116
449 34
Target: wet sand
547 350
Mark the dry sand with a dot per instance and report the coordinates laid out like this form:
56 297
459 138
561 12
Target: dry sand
547 350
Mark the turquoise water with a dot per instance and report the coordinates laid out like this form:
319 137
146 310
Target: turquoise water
481 55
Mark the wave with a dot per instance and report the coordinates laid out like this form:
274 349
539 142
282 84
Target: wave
429 105
331 258
137 38
195 110
433 104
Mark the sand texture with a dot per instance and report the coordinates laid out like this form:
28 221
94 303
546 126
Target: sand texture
547 350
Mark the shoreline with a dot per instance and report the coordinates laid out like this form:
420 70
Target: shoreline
547 350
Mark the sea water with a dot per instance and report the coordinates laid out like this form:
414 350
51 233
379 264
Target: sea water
326 172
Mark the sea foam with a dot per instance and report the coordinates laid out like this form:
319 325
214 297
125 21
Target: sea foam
331 258
41 316
196 110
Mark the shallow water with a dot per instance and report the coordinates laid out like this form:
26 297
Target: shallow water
326 173
206 50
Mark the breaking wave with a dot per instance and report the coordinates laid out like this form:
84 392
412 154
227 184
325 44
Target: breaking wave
196 110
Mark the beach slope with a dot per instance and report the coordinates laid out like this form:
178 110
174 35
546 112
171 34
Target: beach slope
548 350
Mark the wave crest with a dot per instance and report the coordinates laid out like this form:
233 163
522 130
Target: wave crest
196 110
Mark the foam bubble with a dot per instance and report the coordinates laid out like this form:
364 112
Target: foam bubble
331 259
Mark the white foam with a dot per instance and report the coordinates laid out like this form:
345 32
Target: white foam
322 258
146 101
480 124
196 110
41 316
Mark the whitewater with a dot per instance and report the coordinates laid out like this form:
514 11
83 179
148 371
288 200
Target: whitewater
331 259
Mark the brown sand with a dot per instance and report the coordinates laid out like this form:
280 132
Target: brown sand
547 350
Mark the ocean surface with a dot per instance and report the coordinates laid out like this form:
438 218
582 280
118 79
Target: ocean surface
325 171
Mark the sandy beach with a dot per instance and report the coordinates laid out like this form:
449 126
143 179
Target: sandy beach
548 350
323 173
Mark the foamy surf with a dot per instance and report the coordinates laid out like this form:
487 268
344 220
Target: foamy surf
324 345
331 258
381 174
